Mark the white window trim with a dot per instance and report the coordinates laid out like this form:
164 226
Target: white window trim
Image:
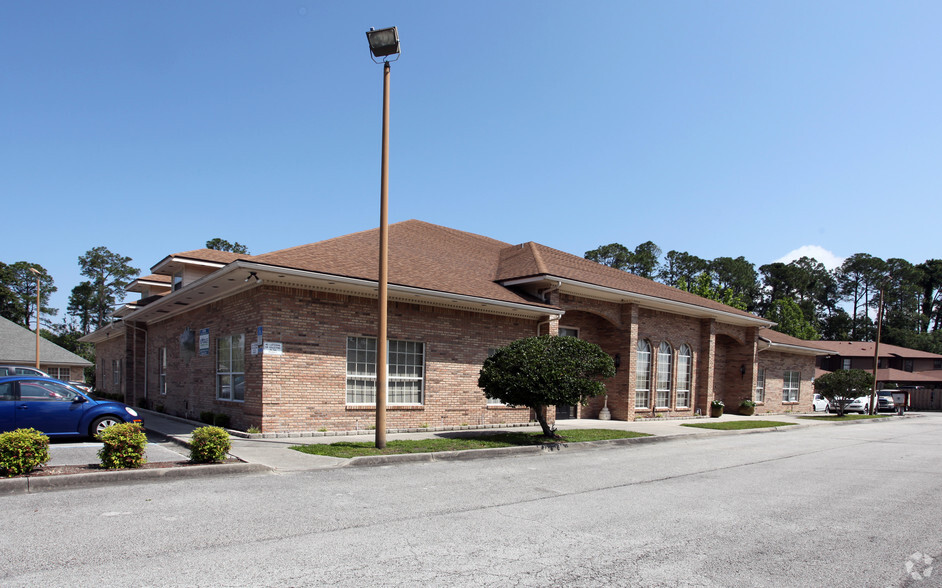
684 381
162 371
786 380
232 373
390 377
662 396
760 385
643 392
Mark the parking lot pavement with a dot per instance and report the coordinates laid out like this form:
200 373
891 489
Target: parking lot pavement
84 453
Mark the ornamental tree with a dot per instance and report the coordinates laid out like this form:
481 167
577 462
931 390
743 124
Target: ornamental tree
842 386
537 372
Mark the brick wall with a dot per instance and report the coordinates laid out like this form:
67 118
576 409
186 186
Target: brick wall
775 365
305 387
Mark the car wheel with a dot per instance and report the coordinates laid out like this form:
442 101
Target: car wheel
827 409
102 423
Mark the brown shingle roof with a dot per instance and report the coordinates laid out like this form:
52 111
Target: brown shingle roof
866 348
532 259
433 257
421 255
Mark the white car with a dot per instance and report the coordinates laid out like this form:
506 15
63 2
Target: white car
820 404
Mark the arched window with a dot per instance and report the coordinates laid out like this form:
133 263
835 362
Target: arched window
643 376
684 376
665 364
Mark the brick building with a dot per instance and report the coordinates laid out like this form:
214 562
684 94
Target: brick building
285 341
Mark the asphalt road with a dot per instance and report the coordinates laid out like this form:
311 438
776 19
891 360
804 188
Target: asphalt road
855 505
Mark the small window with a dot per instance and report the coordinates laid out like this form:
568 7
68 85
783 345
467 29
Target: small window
907 365
568 332
665 366
177 282
405 371
845 363
760 385
162 370
790 386
684 376
230 368
643 376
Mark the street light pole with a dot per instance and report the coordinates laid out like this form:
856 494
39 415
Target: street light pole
383 43
37 272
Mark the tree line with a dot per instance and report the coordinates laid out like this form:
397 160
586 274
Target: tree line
91 302
805 298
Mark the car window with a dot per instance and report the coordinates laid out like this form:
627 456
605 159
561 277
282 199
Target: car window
6 391
46 391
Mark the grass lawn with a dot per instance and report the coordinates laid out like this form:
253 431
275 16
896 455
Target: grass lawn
737 425
846 417
483 441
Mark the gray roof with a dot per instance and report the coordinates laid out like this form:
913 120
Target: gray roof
18 346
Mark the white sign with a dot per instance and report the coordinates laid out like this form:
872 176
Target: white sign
272 348
254 348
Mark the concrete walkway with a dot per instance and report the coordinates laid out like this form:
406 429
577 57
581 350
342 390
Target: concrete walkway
169 438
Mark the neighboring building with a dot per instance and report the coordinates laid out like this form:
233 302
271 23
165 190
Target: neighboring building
918 372
18 347
285 341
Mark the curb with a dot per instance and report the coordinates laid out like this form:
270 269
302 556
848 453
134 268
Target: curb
469 454
34 484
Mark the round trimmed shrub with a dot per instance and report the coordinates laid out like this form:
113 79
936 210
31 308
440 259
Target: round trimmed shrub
22 450
209 445
124 446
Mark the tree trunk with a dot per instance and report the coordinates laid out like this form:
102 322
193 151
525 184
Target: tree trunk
540 411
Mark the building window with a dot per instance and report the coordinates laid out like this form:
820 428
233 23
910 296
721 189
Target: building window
568 332
684 376
177 281
907 365
845 363
937 364
59 373
116 375
405 371
665 366
162 370
790 386
760 385
230 368
643 376
881 363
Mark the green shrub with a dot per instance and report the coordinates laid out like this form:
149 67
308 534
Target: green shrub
22 450
209 444
124 446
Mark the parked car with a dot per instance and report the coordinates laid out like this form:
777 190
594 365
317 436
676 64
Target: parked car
20 370
820 404
82 386
57 409
860 404
885 400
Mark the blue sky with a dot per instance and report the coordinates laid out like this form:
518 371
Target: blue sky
716 128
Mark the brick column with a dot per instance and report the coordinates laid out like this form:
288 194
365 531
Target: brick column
705 366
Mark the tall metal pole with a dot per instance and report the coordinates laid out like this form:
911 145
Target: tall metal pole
876 357
383 271
35 271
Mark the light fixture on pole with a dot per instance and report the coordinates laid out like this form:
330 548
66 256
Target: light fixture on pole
38 273
384 43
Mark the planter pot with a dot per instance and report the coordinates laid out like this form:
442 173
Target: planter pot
747 410
716 411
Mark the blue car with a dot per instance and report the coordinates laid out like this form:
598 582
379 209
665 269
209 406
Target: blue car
57 409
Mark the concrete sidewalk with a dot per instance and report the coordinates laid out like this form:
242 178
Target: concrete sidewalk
169 437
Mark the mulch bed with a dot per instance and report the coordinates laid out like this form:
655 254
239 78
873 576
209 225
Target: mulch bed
94 467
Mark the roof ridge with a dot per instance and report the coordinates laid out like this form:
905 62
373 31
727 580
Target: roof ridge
540 264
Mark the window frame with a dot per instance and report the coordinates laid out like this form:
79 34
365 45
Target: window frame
162 371
234 342
787 389
364 391
685 378
759 394
643 355
663 381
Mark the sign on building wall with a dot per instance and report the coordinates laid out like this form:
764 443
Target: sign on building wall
272 348
204 342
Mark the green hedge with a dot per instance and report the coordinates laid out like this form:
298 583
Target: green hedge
22 450
209 444
124 446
